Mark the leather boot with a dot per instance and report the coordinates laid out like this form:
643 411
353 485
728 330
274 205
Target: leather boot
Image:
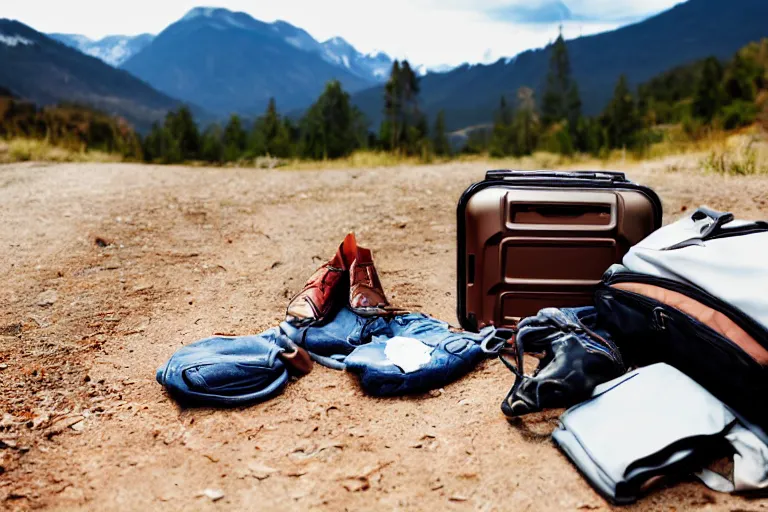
366 295
321 295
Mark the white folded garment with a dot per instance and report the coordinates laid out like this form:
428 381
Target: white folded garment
658 422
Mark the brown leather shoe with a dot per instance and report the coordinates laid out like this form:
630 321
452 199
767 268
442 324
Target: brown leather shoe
321 294
366 295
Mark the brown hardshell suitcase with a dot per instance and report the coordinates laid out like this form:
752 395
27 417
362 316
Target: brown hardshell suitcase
534 239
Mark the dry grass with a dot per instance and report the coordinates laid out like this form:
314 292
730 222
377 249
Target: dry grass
378 159
25 150
362 159
741 155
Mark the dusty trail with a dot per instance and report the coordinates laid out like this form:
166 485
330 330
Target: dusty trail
107 269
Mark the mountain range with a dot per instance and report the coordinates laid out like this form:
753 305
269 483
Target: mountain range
114 50
685 33
373 67
44 71
229 62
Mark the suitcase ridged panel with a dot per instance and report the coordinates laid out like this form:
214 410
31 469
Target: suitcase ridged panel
523 247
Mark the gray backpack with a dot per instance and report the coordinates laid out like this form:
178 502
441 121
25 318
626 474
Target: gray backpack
694 295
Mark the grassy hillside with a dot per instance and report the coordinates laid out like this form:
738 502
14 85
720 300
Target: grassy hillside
47 72
53 132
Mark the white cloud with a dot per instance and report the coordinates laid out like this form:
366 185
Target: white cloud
613 9
431 32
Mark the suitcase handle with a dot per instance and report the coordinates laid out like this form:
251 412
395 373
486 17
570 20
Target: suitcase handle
610 176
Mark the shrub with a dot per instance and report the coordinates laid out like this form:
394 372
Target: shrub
739 113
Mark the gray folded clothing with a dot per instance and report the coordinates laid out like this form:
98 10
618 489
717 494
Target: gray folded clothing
657 422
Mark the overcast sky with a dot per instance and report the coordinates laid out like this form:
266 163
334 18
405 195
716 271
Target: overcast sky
431 32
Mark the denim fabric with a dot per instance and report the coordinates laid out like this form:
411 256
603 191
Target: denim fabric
408 354
225 371
448 356
329 344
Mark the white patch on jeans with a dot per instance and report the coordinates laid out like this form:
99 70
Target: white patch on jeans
409 354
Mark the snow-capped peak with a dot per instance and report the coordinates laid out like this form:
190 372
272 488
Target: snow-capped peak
114 50
219 16
337 41
423 69
377 54
205 12
15 40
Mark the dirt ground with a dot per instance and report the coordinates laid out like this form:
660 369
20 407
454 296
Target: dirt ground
107 269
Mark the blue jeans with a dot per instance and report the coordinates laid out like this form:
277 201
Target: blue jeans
226 371
410 353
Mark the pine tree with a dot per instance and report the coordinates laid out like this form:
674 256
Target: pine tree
573 106
332 127
211 144
277 138
414 123
417 142
183 130
525 126
152 144
561 99
741 78
440 143
405 127
393 105
708 97
621 116
410 85
501 137
257 140
234 140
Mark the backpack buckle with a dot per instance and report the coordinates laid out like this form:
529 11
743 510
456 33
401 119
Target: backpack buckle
660 318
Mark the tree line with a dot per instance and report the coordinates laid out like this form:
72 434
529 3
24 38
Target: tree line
708 94
331 128
703 94
698 96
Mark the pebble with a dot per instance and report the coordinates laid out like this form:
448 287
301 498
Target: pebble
212 494
7 443
259 471
47 298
